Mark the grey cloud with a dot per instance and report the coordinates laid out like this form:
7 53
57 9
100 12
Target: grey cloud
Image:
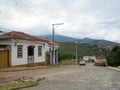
82 18
108 24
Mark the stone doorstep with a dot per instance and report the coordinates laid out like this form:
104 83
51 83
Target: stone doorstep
11 69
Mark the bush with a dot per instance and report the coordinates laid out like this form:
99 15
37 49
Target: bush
67 62
62 55
113 58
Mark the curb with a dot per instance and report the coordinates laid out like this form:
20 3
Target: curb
23 69
114 68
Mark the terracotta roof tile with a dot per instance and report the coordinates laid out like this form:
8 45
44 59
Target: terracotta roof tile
23 36
45 39
41 38
16 35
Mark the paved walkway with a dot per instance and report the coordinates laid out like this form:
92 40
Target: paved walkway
114 68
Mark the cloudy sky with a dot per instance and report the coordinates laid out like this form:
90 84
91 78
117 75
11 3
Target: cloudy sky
97 19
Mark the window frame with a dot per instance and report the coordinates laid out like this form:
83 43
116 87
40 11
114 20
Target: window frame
19 51
39 51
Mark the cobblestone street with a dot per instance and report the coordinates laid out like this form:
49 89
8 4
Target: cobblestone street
71 77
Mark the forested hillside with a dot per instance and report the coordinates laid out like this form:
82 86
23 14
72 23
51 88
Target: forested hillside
83 49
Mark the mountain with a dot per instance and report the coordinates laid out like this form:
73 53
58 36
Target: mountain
88 41
98 42
60 38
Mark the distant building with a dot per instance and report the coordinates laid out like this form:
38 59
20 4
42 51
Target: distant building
97 58
89 58
100 58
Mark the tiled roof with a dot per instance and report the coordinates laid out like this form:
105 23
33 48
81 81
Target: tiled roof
16 35
51 42
41 38
23 36
44 39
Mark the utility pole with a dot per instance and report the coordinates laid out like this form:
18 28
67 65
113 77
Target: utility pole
53 45
76 53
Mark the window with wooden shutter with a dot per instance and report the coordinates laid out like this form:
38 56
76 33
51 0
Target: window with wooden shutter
19 51
39 50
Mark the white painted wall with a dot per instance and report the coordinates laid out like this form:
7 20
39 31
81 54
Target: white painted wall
24 60
14 59
93 57
37 58
25 44
86 58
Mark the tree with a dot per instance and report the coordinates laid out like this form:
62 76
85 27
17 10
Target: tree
113 57
65 55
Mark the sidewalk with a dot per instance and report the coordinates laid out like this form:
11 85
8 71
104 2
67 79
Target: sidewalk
21 68
114 68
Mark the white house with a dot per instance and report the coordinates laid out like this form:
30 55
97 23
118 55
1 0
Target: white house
96 58
17 48
86 58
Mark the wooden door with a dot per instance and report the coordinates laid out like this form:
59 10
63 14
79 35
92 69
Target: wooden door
47 56
4 61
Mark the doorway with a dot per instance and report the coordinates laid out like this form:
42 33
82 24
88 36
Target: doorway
31 54
4 58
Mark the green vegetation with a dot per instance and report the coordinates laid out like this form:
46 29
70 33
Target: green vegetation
113 58
67 50
14 86
65 55
67 62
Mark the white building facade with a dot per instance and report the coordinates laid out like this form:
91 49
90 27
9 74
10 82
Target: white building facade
23 49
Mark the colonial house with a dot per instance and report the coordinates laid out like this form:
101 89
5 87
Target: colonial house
17 48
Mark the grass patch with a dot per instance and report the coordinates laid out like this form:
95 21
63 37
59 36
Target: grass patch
14 86
67 62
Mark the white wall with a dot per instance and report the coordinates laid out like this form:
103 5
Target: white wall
24 60
37 58
14 59
93 57
86 58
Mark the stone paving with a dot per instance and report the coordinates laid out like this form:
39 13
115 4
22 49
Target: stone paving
70 77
